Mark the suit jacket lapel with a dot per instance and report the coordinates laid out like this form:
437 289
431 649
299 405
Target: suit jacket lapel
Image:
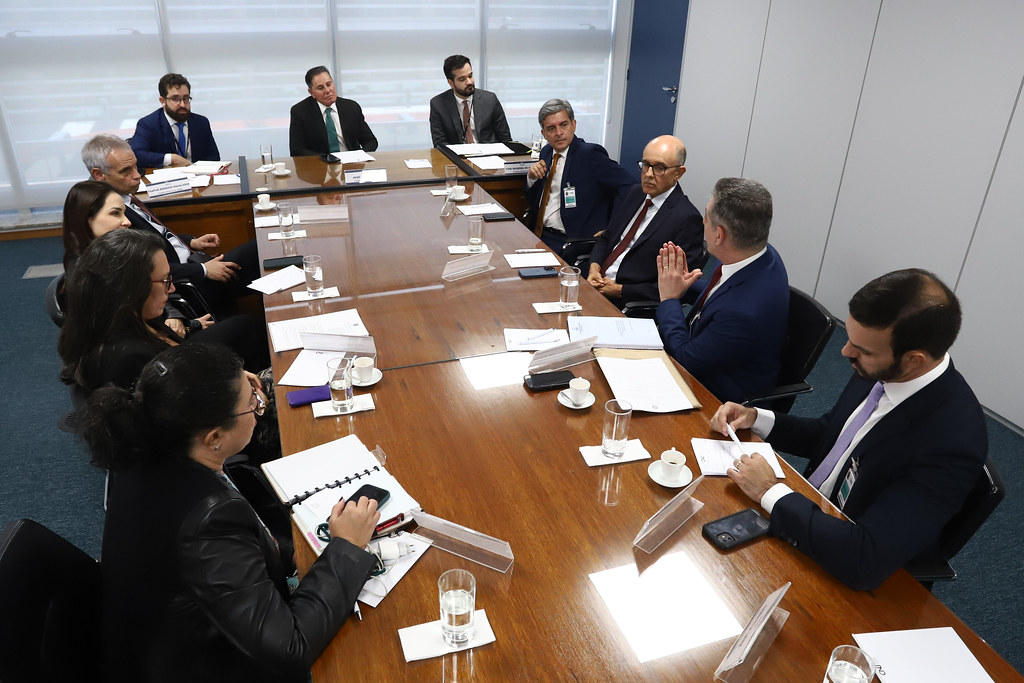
659 218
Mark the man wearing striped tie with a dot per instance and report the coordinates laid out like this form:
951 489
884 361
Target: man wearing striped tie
324 123
173 135
899 451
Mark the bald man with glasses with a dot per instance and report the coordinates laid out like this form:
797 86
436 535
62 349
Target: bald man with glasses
623 263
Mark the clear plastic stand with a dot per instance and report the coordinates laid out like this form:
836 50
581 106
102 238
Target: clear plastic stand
668 519
465 267
458 540
750 647
562 356
360 346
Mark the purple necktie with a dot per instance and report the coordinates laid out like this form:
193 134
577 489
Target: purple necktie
819 475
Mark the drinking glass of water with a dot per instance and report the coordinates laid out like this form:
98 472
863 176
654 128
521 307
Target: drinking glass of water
267 154
850 664
616 427
476 233
457 593
314 275
286 219
339 379
569 286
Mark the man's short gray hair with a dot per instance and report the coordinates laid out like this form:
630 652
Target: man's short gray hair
554 106
96 151
744 207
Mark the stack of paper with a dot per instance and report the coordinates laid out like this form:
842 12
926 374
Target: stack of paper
286 334
479 149
616 333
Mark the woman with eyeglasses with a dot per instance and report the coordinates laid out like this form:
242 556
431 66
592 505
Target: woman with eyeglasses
194 586
114 304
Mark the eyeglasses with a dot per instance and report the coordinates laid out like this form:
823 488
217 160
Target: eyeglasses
659 169
261 406
167 282
178 99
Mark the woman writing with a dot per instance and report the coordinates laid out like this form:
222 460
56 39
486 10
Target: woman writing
194 586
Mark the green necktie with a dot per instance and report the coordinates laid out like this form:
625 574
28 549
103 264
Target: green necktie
332 134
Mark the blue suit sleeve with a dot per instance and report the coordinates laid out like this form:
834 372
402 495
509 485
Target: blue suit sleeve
733 335
143 142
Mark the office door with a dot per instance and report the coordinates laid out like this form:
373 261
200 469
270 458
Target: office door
655 59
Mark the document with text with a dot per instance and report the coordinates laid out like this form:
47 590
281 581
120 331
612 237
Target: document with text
645 383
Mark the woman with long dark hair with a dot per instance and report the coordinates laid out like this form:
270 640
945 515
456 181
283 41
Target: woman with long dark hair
194 587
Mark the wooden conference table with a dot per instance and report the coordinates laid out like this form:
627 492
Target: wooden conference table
506 463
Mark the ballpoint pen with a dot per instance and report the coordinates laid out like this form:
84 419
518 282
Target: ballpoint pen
355 608
386 524
735 439
530 251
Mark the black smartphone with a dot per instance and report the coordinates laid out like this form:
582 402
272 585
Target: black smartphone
373 492
282 261
543 271
729 532
545 381
498 216
330 158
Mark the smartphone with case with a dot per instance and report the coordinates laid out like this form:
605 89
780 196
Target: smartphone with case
546 381
544 271
373 493
282 261
303 397
498 216
736 529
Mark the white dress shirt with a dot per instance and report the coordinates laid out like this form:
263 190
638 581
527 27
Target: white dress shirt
337 123
656 203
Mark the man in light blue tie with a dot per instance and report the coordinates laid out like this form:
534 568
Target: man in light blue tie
173 135
898 453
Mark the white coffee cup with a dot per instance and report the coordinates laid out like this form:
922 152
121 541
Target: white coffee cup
672 462
459 192
264 200
279 167
578 390
362 368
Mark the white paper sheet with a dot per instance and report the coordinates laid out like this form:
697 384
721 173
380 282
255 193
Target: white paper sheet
328 293
488 163
159 175
927 655
439 193
532 340
276 281
309 369
205 167
479 148
616 333
534 260
353 157
227 179
480 209
424 641
464 249
595 458
270 221
360 403
199 181
555 307
646 384
417 163
715 456
284 334
496 369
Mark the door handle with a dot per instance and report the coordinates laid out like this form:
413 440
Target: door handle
670 88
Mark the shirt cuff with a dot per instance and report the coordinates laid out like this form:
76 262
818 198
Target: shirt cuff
167 159
204 269
772 496
764 423
530 181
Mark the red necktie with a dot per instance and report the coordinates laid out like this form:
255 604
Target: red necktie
627 238
539 228
711 285
465 121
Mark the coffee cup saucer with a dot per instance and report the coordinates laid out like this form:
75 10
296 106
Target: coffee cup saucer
563 398
459 198
376 377
282 174
269 207
654 470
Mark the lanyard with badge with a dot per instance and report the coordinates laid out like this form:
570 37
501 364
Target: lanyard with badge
848 481
569 197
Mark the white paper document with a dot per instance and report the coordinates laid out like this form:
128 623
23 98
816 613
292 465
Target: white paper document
270 221
227 179
480 209
715 456
205 167
367 175
488 163
594 457
160 175
465 249
616 333
276 281
479 148
424 641
284 334
927 655
309 369
496 369
439 193
555 307
199 181
353 157
377 588
417 163
360 403
534 260
533 340
646 384
328 293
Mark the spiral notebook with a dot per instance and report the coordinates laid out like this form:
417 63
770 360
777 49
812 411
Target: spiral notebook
337 468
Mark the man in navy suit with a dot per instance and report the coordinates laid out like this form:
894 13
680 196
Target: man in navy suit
732 337
173 135
623 262
324 123
452 109
898 453
580 183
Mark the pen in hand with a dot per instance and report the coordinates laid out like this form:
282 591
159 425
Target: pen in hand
735 439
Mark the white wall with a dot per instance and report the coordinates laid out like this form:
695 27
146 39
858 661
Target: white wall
877 126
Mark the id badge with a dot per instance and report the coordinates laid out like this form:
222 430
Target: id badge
569 195
848 482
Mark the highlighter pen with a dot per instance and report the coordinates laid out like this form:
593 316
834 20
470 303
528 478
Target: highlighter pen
735 439
389 523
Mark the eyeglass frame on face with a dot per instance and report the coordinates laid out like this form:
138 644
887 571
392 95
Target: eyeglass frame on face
178 99
261 406
167 282
654 169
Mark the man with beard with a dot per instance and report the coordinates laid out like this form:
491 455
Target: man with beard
898 453
173 135
466 113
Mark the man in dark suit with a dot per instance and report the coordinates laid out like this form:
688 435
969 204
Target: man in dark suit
580 183
222 278
465 113
732 337
312 133
623 262
899 452
173 135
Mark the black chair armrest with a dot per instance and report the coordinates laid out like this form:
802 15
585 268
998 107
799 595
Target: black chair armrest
784 391
931 571
640 309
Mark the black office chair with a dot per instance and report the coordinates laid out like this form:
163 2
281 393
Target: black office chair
809 326
49 607
54 305
576 252
980 503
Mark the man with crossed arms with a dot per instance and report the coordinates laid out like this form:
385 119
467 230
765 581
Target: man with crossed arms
899 451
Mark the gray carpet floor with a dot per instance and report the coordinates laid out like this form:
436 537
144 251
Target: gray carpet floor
46 475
